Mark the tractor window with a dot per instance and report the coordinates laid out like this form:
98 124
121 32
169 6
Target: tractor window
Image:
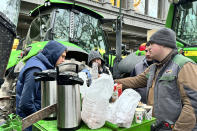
79 28
35 29
185 22
89 32
61 26
38 28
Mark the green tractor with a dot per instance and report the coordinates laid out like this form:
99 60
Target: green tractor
77 27
182 18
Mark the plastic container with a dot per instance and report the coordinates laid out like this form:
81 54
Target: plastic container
94 71
44 125
144 126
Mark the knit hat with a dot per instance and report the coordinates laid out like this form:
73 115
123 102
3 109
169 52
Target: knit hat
93 55
165 37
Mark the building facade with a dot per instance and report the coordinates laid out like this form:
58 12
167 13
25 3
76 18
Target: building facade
139 16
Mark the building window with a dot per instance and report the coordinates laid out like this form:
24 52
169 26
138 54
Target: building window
97 0
113 2
163 7
153 8
139 6
117 3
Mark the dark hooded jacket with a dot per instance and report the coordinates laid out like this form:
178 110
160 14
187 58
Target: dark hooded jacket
95 54
139 68
28 91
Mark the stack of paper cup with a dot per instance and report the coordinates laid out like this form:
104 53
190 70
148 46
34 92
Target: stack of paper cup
139 112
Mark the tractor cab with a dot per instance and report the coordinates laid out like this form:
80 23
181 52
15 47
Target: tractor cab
182 18
77 27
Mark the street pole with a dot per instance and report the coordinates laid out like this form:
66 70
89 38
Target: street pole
116 72
119 34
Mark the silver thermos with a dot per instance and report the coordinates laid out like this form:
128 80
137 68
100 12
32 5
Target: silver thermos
48 95
68 99
48 89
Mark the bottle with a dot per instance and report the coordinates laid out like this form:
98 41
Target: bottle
94 71
119 89
115 93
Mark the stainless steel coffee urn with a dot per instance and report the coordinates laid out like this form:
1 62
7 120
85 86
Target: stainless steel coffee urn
48 89
68 99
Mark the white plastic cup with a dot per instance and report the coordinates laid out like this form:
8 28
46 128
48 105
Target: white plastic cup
139 115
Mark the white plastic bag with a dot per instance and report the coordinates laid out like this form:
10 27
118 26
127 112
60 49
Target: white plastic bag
123 110
101 87
94 112
96 101
83 87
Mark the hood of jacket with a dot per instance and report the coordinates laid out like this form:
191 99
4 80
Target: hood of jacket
52 51
93 55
